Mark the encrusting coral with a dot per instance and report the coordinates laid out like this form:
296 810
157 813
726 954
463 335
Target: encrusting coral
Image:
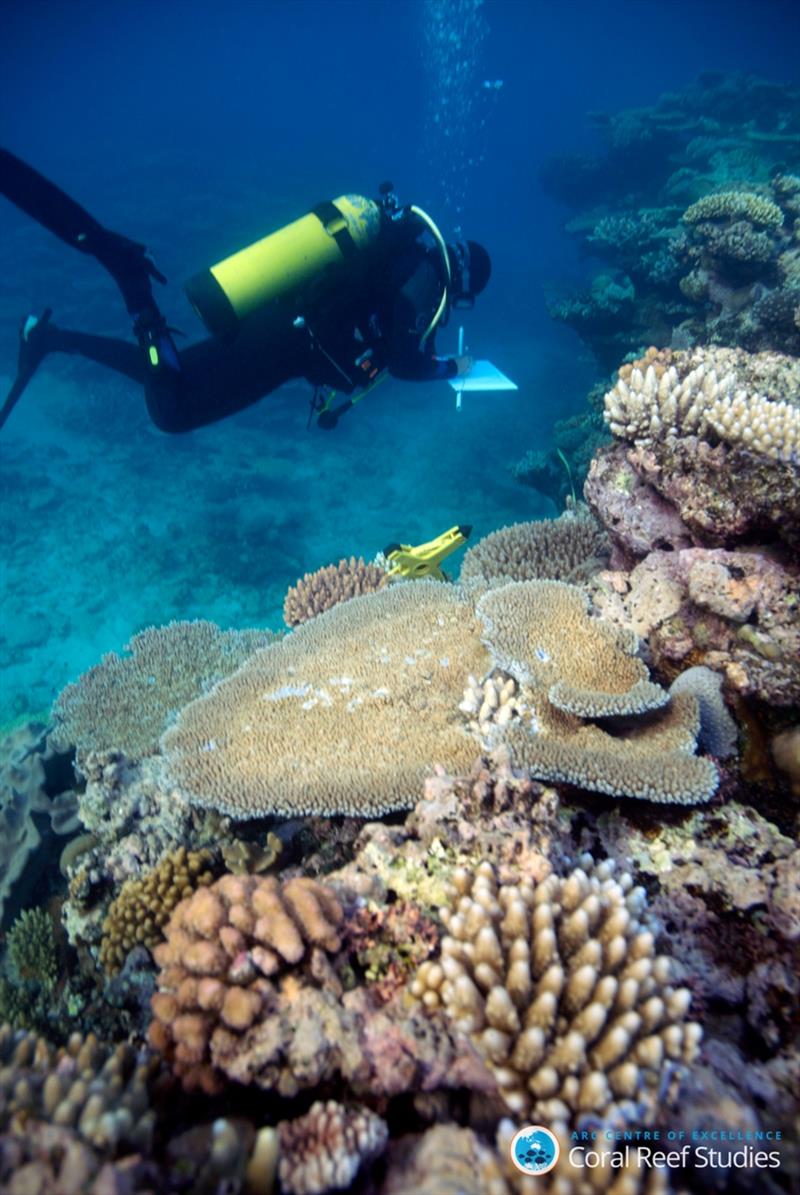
559 986
557 549
144 905
124 702
320 590
324 1150
344 715
223 946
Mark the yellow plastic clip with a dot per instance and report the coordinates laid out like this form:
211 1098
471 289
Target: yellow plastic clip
424 559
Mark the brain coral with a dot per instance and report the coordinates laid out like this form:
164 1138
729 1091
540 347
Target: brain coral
124 702
328 586
560 988
550 548
347 714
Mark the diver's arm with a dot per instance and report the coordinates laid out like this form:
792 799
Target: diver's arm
408 357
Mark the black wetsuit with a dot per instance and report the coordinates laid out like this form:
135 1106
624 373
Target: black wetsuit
384 310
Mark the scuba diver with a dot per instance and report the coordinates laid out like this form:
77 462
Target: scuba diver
343 296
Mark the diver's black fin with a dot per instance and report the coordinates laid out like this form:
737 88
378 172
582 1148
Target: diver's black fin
28 361
125 260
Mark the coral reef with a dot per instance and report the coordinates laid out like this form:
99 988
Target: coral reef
318 591
325 1149
693 216
559 986
736 612
124 702
136 916
31 773
572 671
561 549
364 695
100 1093
222 945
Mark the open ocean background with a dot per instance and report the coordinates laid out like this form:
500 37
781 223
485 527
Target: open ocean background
197 127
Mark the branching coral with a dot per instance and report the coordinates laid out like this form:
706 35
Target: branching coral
144 905
320 590
124 702
657 403
345 715
325 1149
559 986
551 548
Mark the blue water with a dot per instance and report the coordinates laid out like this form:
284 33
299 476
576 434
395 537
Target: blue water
196 128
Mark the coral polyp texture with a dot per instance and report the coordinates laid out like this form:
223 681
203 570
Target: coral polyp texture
559 986
320 590
735 205
124 702
223 945
556 549
572 671
714 434
100 1092
657 401
325 1149
346 714
144 905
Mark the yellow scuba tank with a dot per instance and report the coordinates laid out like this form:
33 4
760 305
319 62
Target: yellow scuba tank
332 233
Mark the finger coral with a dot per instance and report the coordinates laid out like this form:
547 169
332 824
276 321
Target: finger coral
550 548
223 944
320 590
144 905
124 702
102 1093
325 1149
559 987
347 714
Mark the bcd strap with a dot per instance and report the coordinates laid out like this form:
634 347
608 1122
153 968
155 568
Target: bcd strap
335 225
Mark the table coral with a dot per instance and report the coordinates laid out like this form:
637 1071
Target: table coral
573 670
560 988
364 698
124 702
326 587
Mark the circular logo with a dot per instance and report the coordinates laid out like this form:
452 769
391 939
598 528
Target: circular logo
534 1149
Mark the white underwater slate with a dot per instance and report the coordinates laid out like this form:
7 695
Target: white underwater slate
483 376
